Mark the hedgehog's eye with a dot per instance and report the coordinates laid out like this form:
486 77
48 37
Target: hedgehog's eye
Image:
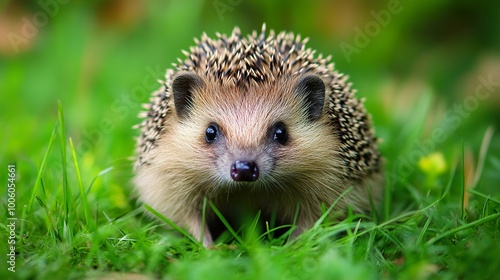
211 133
280 134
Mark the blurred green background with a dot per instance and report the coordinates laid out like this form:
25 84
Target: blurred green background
101 60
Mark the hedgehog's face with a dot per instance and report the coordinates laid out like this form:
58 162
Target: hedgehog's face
252 136
245 159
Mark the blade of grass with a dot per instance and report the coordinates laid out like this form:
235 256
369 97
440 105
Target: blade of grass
62 136
392 238
51 227
173 225
294 224
482 155
67 229
450 181
370 244
402 216
463 186
97 176
43 188
226 223
488 197
270 230
253 227
352 232
112 221
86 209
330 208
21 230
424 230
463 227
203 218
43 165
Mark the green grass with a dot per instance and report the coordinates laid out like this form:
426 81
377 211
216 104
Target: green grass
69 102
67 233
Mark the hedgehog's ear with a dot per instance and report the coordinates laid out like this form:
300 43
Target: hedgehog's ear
182 87
312 89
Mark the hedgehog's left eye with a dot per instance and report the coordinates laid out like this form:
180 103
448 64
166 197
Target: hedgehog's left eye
211 133
280 133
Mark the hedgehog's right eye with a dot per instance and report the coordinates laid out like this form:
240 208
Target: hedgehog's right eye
211 133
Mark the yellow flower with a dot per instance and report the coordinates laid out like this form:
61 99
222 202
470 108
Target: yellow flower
432 164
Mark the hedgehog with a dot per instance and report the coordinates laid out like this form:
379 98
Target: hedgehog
255 124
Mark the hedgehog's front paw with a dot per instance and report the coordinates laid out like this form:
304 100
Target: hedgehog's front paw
200 233
304 222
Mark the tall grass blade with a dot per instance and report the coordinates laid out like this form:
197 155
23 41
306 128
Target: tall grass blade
86 210
463 186
482 155
42 166
62 136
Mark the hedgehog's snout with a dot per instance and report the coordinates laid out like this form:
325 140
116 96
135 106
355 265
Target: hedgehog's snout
244 170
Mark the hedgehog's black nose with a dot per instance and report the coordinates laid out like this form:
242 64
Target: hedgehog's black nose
242 170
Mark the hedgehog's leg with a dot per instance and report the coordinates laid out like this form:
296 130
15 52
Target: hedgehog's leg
303 224
196 229
305 220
